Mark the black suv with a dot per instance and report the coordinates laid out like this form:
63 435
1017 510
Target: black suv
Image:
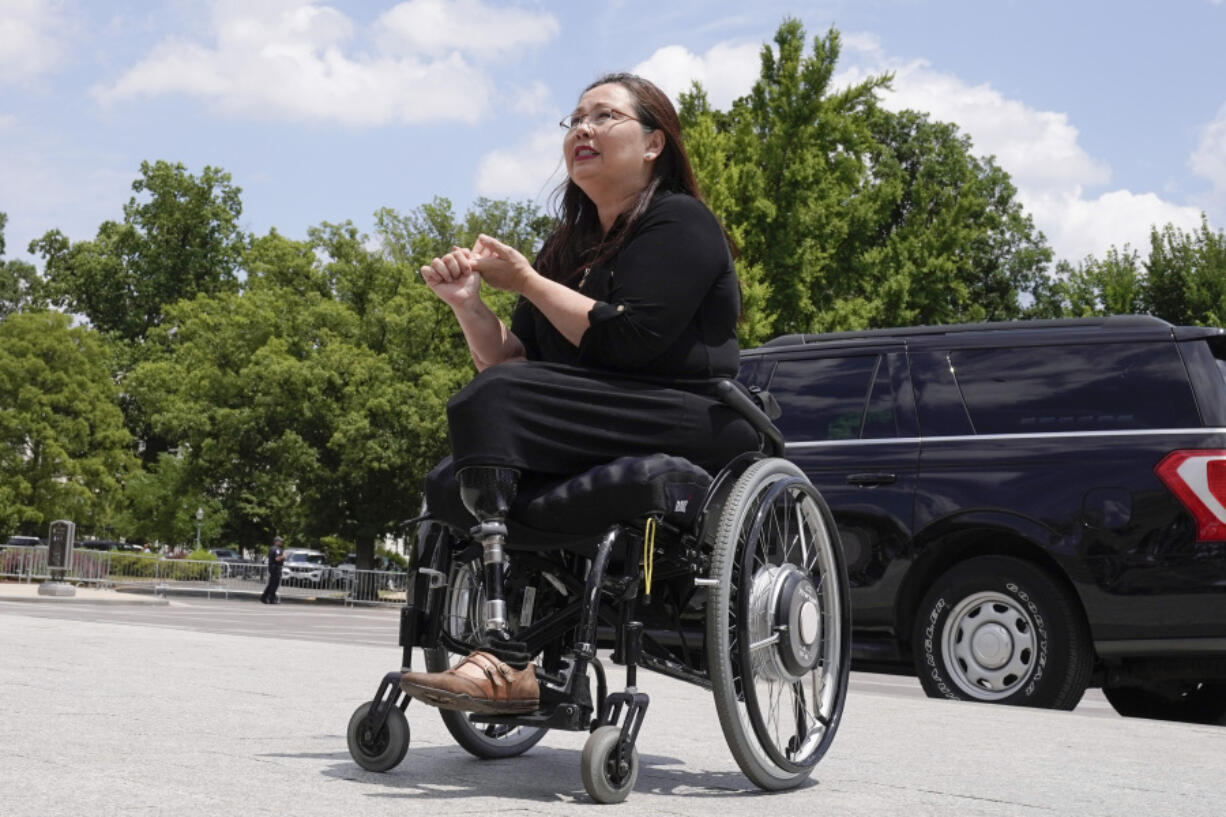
1027 508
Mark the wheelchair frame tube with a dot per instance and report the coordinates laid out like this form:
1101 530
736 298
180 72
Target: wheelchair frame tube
586 648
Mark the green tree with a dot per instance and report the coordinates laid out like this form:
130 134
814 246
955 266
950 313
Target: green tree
64 452
432 229
179 238
849 215
940 237
311 402
791 156
1114 285
18 281
160 503
1186 275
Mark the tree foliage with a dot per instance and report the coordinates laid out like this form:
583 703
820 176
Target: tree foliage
1186 275
1114 285
1182 280
180 241
64 452
17 280
848 215
299 386
312 401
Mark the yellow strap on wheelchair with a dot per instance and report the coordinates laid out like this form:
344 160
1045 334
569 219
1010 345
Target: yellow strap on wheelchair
649 553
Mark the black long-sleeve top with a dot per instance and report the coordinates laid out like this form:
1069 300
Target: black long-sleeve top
666 304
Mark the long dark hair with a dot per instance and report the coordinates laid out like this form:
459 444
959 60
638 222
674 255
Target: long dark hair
578 240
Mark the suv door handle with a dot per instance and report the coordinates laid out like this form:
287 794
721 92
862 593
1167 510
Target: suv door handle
866 480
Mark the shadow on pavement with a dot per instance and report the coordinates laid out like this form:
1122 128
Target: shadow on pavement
542 775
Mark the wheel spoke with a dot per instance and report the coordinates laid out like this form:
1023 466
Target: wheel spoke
766 642
779 716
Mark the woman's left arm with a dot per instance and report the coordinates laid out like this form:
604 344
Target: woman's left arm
663 274
504 267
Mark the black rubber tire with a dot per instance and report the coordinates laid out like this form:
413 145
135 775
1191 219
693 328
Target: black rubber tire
382 751
996 629
771 516
603 783
483 740
1182 701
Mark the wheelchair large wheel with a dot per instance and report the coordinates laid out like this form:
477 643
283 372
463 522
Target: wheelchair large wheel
778 625
463 610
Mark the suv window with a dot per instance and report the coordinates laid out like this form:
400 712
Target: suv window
1091 387
309 558
824 398
880 419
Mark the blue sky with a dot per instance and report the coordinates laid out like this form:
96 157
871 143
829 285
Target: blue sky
1110 116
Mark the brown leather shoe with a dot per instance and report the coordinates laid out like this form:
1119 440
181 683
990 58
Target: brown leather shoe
480 683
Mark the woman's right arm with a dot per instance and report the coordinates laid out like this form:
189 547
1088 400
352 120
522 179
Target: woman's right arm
489 340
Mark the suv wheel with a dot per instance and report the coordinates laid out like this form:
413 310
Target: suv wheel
997 629
1184 701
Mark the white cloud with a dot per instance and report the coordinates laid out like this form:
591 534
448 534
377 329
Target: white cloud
536 100
1077 226
1209 158
293 59
530 169
1038 149
438 27
726 71
534 167
32 40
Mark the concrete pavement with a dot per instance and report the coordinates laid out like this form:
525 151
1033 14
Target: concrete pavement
84 594
111 718
147 594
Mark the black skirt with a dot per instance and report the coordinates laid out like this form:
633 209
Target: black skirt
551 421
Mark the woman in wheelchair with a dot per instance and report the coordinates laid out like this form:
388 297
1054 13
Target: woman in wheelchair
617 366
637 280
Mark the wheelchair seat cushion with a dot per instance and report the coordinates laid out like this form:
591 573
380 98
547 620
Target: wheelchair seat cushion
627 488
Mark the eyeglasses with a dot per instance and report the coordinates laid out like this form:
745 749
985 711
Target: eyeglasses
599 119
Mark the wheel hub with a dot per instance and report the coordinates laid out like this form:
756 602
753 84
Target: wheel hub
784 623
992 646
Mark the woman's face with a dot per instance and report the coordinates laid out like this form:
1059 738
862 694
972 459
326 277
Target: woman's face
609 153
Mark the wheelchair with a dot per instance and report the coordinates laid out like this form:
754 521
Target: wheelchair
736 584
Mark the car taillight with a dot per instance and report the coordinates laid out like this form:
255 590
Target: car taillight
1198 479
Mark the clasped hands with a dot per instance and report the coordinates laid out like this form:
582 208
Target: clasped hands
457 276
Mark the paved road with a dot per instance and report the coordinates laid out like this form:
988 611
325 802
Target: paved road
235 708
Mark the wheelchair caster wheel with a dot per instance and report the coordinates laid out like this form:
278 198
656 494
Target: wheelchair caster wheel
382 750
605 780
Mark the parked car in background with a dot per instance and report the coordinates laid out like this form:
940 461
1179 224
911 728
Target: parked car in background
304 567
109 544
390 575
24 541
1026 508
227 555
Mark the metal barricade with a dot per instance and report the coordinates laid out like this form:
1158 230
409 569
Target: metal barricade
29 563
159 574
24 562
376 587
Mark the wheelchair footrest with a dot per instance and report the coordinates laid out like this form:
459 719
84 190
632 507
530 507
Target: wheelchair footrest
569 717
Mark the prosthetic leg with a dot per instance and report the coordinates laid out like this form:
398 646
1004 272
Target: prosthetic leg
488 493
499 678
